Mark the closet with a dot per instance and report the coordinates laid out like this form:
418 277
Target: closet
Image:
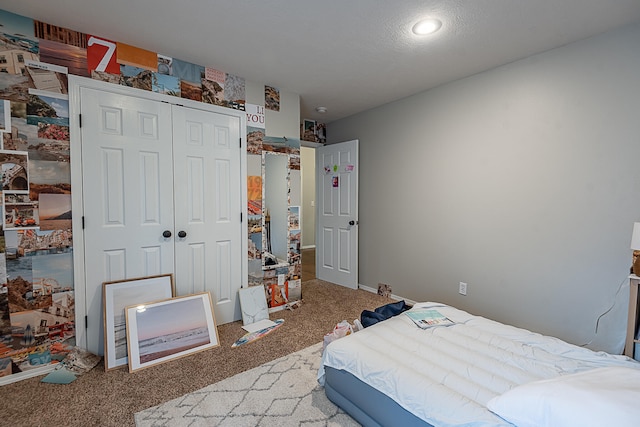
162 192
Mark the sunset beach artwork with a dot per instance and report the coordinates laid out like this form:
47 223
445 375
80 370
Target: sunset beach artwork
162 331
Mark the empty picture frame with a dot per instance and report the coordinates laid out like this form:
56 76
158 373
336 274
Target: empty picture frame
116 296
165 330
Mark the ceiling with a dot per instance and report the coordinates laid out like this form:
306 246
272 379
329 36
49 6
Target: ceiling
345 55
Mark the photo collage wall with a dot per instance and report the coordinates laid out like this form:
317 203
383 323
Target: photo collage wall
282 280
37 303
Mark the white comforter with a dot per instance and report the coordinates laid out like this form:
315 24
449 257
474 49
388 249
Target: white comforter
446 375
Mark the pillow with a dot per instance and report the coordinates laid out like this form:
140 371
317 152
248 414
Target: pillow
598 397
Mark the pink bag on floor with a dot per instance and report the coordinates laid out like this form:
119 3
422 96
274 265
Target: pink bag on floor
342 329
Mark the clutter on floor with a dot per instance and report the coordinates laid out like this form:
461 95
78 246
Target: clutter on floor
253 336
367 318
77 362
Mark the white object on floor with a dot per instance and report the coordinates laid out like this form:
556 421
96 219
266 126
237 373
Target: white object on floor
259 325
253 304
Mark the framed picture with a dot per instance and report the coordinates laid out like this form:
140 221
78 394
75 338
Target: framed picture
309 130
116 296
165 330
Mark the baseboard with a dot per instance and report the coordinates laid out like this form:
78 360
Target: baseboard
367 288
26 374
393 296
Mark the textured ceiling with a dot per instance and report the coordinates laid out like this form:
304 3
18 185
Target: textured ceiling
346 55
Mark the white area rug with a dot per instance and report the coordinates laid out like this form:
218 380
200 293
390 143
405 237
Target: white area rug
281 393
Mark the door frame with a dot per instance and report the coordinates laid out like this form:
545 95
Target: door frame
77 192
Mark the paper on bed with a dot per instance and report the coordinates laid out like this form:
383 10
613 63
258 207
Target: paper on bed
428 318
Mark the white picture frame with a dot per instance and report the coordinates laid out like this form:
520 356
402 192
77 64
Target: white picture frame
116 296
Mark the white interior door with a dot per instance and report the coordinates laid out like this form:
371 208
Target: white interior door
208 207
337 214
128 202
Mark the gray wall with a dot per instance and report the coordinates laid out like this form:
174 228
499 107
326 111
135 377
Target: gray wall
523 181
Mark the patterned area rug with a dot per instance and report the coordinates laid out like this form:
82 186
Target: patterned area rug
281 393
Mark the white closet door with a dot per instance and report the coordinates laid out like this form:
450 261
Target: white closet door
208 207
128 194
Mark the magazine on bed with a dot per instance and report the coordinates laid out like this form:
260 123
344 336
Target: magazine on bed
427 318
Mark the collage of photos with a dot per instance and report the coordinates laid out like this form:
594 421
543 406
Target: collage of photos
277 268
37 300
36 297
37 303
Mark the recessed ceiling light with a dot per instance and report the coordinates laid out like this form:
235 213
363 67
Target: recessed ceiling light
427 26
321 110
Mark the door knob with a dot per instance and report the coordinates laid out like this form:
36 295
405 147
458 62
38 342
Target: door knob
352 222
182 234
166 234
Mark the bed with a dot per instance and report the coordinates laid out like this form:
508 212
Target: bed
477 372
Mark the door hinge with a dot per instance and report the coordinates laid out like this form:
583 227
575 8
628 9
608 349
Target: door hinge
83 222
80 120
86 322
240 216
240 141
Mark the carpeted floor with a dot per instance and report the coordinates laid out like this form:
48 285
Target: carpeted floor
100 398
281 393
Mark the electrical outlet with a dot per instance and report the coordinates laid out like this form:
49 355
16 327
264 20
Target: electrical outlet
463 288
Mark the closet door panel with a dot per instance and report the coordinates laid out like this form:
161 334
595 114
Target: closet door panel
208 207
127 194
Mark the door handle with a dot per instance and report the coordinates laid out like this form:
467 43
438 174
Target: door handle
352 222
182 234
166 234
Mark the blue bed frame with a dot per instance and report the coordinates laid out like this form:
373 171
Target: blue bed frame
368 406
